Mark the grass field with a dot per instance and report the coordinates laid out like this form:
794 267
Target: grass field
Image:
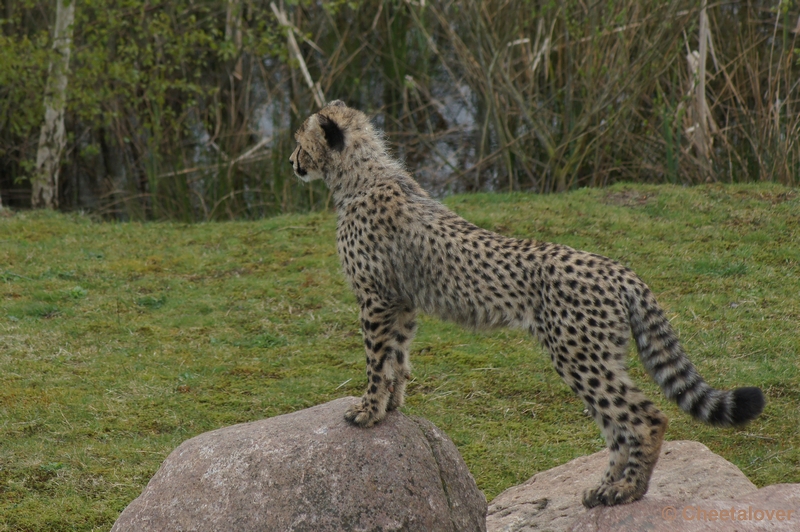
120 341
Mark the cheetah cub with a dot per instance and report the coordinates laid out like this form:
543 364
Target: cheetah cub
403 252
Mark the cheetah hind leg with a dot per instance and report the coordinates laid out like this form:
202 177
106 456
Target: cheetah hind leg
618 453
631 462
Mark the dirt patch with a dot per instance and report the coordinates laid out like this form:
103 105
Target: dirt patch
776 197
628 198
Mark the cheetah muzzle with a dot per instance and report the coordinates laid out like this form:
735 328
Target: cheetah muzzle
403 252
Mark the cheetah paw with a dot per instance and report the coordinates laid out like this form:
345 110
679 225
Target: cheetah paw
361 415
612 494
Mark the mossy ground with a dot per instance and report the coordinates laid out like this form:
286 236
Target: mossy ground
120 341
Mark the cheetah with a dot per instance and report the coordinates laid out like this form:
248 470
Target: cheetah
403 252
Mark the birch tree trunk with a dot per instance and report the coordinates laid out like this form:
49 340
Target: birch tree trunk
52 138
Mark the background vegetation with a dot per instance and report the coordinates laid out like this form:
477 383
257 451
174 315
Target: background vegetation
184 109
120 341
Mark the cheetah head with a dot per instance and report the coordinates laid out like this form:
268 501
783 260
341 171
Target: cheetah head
322 139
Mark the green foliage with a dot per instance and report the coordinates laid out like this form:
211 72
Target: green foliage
147 82
23 65
119 341
185 110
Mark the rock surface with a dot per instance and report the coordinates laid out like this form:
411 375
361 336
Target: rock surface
551 500
310 470
774 508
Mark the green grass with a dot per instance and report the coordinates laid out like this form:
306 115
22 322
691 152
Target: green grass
120 341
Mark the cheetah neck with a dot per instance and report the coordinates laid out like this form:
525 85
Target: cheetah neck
363 174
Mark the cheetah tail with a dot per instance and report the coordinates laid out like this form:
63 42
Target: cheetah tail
668 365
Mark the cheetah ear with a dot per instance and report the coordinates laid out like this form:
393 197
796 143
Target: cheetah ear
333 133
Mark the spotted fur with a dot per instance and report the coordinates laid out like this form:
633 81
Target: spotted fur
403 252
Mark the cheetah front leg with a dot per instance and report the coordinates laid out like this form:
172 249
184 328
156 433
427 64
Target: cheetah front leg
387 335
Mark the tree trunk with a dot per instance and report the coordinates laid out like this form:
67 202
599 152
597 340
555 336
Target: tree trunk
52 138
9 13
119 189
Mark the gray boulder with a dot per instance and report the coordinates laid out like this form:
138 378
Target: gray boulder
551 500
310 470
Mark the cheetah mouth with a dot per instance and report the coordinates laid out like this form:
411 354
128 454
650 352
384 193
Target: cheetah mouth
294 161
302 175
299 171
